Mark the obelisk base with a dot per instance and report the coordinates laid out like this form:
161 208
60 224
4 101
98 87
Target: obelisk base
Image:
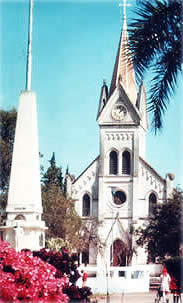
21 235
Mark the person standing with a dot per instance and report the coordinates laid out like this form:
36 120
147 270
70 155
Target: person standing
175 289
84 277
165 284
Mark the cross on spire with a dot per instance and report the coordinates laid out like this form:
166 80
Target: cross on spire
123 72
124 4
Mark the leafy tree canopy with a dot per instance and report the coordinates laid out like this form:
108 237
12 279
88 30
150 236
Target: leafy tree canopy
53 175
7 133
162 234
60 216
58 210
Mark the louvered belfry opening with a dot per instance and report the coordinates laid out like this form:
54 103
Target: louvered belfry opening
86 205
126 163
113 163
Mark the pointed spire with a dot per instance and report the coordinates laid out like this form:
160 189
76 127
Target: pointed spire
103 98
52 161
123 70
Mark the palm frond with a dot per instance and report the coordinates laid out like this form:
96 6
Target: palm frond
147 34
155 43
163 84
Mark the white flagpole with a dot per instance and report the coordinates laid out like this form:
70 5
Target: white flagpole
29 49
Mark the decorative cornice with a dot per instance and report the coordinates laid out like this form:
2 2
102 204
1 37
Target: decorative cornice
151 176
118 136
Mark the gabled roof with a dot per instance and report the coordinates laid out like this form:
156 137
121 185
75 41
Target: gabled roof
96 159
151 169
119 97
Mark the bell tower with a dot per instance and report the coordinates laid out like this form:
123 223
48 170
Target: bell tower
122 120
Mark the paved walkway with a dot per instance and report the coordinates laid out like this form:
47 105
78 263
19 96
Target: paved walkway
131 298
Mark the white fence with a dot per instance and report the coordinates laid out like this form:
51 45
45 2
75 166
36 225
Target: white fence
118 279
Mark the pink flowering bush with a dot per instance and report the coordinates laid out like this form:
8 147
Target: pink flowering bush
65 264
26 278
62 261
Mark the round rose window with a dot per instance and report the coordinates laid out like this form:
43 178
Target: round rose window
119 197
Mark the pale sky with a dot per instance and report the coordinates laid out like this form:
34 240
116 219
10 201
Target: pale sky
74 49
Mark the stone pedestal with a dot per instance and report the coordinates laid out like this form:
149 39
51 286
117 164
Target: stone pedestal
23 235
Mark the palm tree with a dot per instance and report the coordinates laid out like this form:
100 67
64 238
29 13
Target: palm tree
156 44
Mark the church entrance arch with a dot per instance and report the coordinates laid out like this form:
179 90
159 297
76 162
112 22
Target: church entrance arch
117 253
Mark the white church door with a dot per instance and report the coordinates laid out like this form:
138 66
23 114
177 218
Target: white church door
117 253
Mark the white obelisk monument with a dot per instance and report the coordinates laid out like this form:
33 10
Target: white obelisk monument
24 227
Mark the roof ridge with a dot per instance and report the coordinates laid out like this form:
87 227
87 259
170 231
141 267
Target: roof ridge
151 168
86 169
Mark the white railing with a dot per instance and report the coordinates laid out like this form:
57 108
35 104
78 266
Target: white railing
118 279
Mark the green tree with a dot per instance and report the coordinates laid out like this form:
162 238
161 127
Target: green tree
60 216
7 134
58 210
162 235
65 183
156 45
53 175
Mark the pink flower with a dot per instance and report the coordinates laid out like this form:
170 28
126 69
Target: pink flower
27 278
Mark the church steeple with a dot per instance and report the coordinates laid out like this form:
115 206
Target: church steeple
123 69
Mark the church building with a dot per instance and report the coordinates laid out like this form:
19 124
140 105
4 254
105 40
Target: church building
119 188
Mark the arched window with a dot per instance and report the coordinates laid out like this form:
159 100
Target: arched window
152 202
118 253
113 163
86 206
126 163
20 217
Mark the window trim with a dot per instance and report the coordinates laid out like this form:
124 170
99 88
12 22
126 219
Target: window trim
129 162
150 202
90 204
117 162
